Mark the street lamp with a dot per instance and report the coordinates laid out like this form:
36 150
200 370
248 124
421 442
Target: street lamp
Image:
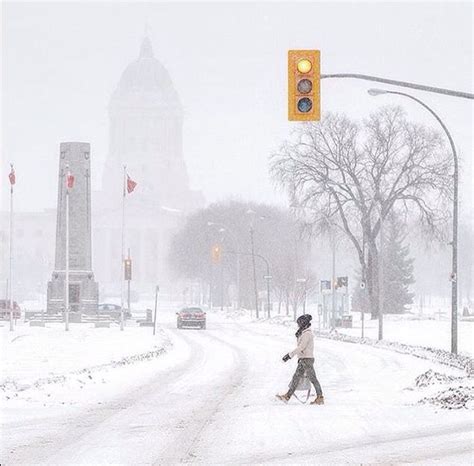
252 214
454 286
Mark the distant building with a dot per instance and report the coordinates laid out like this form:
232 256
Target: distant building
146 125
145 134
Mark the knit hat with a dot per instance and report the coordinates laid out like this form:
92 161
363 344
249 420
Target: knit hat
303 322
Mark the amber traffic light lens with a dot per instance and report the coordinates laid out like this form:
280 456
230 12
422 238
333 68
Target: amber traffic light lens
305 86
304 66
305 105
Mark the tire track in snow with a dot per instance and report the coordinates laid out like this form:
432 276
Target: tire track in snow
234 383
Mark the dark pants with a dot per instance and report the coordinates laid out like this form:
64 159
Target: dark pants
305 364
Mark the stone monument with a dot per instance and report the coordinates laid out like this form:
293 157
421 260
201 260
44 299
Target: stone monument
83 289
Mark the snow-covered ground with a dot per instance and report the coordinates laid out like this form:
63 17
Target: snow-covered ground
208 397
415 330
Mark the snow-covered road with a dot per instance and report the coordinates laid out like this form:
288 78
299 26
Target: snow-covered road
216 406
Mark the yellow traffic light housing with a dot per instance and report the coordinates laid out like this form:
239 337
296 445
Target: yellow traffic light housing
216 253
304 102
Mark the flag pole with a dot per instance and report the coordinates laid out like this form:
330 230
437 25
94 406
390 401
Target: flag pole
66 281
11 252
122 248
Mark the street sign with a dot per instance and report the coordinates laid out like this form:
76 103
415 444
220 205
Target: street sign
325 285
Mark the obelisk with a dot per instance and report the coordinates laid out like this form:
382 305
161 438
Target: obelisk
83 289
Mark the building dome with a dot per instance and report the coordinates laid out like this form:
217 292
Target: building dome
146 83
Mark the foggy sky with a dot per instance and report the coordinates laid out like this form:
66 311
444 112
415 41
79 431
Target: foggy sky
62 61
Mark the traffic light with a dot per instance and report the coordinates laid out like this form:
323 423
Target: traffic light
216 253
304 103
127 268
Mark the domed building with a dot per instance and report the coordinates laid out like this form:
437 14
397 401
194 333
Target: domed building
145 135
146 126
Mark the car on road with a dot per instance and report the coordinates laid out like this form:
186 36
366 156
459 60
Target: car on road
5 310
191 317
113 309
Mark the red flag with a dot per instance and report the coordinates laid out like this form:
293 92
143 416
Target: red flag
12 176
69 180
130 185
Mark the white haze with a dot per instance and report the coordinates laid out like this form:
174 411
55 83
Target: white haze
62 61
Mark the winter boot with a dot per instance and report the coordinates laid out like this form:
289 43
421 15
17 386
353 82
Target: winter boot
285 398
319 400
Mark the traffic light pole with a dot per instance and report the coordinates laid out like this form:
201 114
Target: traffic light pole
393 82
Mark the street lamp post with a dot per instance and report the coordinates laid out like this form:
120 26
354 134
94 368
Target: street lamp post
267 277
236 245
303 281
454 287
254 271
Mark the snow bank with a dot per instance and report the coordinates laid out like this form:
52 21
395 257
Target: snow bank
51 366
459 361
452 398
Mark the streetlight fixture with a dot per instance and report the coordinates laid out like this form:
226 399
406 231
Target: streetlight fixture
454 271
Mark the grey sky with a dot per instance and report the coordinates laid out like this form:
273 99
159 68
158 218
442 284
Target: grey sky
62 61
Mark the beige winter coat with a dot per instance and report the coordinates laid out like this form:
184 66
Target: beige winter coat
305 348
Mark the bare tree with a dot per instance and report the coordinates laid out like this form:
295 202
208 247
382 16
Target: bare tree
276 237
353 175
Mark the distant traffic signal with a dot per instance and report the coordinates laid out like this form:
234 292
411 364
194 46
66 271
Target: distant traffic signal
127 263
304 103
216 253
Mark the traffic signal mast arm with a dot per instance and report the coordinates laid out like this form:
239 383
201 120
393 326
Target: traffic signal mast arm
393 82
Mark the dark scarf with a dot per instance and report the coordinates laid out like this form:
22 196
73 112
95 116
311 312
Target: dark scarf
302 329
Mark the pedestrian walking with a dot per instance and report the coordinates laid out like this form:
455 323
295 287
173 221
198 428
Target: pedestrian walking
305 353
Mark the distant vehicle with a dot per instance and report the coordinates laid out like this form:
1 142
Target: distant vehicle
5 310
114 309
191 317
